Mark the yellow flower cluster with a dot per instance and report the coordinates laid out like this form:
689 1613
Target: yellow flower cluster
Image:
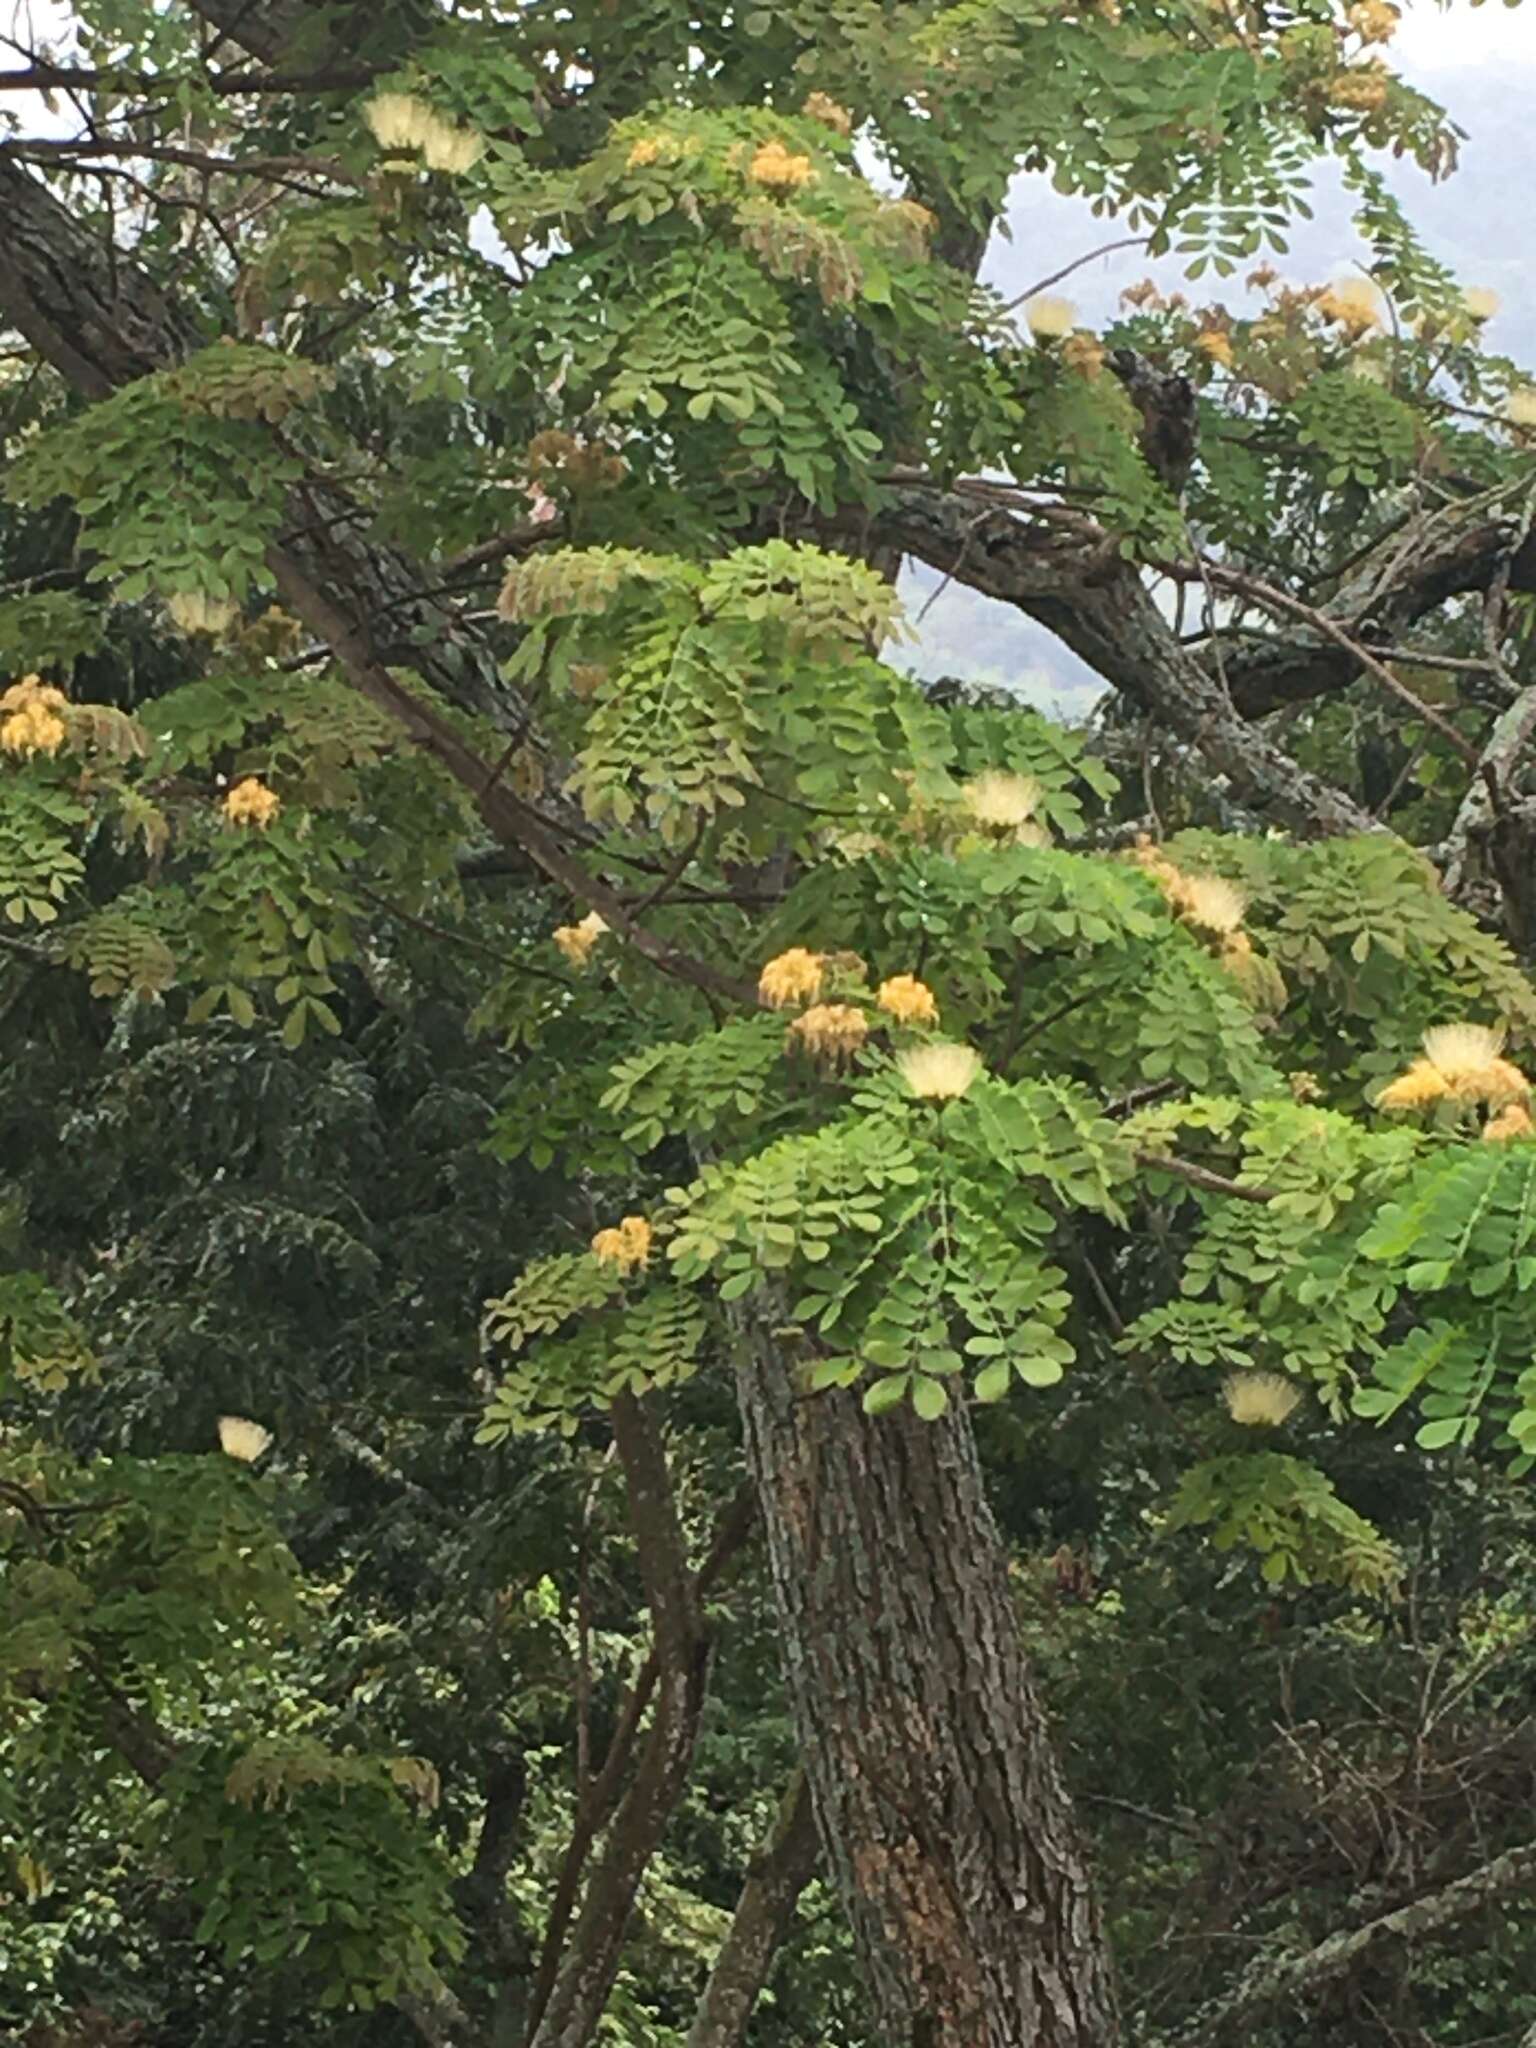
1354 304
1514 1120
1463 1062
250 802
822 107
577 940
1216 346
775 168
1480 303
830 1031
1083 353
914 214
938 1073
628 1246
1260 1400
1373 21
1520 406
1364 90
645 151
29 717
400 120
908 1000
790 978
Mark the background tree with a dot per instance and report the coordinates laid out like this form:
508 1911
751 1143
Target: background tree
780 973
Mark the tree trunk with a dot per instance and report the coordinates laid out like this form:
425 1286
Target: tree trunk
947 1828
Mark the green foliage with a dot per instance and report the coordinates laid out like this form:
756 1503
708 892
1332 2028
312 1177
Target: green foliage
316 1860
1366 435
1288 1513
176 482
45 628
341 1092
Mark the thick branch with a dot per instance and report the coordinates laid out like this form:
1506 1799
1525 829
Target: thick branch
778 1874
44 77
1062 574
1400 583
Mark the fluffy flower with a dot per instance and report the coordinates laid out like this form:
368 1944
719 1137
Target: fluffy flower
192 612
1212 902
908 1000
1049 319
1514 1120
1368 369
830 1031
822 107
577 940
937 1073
1000 801
1217 346
1353 303
250 802
1520 406
32 731
645 151
1373 21
242 1439
1461 1060
628 1246
451 149
1480 303
1260 1400
790 978
774 167
398 119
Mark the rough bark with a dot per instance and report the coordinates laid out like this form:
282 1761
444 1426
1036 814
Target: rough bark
948 1830
778 1875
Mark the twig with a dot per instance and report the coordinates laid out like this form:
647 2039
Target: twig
1056 276
1202 1177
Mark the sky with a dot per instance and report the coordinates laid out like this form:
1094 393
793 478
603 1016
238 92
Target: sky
1479 62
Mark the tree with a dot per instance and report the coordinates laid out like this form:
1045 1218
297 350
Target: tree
793 971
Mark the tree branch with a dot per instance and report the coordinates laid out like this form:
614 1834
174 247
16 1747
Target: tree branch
777 1875
1062 570
730 1534
573 1987
1296 1976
